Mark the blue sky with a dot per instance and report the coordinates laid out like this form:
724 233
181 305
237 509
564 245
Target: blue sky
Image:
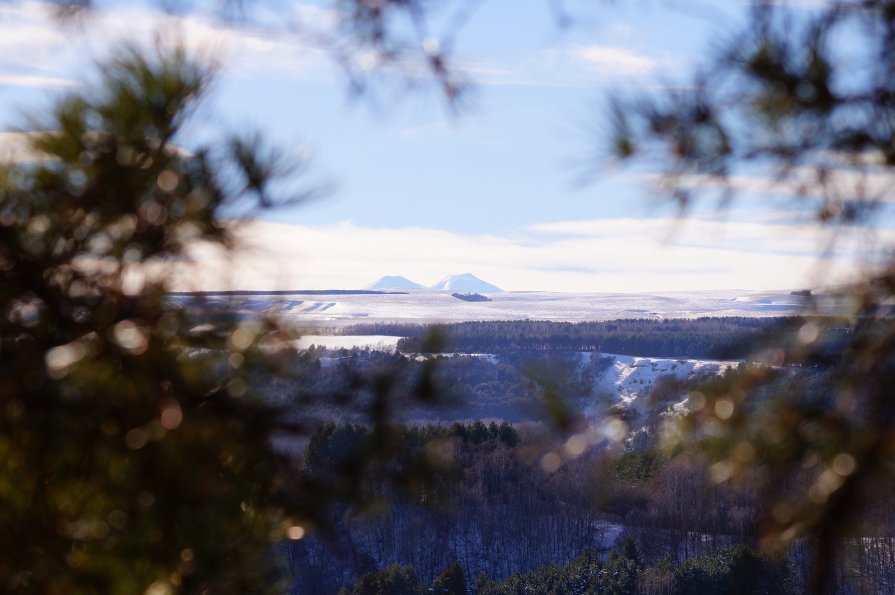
421 191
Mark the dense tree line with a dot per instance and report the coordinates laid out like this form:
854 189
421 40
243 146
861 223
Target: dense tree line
707 337
737 569
430 525
332 444
497 512
643 522
328 384
333 384
471 297
403 580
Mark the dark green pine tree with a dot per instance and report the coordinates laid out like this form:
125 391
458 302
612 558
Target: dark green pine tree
394 580
451 581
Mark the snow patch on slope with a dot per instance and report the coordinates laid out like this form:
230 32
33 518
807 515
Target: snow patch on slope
631 380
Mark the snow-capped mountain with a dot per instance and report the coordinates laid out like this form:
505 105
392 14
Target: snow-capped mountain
393 282
465 282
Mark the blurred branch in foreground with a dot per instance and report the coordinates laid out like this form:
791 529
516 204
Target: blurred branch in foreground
800 104
135 453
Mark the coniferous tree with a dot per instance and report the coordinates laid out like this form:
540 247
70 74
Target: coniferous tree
450 581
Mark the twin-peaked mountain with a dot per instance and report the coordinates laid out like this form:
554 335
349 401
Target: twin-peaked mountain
466 282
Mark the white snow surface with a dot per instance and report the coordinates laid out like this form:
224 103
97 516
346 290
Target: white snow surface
374 342
436 306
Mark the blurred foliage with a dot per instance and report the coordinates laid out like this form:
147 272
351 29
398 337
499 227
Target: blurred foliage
132 456
803 94
135 454
410 40
802 101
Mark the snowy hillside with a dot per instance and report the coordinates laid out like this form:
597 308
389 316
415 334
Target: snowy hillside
393 282
629 380
466 282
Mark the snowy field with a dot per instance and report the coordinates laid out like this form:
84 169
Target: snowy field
377 342
435 306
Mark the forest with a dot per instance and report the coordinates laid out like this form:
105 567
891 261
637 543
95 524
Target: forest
496 521
518 501
334 384
706 337
326 382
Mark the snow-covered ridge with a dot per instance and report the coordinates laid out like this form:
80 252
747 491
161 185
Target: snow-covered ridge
466 282
623 380
630 380
393 282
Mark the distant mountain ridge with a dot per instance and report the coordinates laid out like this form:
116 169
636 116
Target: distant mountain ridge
467 282
394 282
464 283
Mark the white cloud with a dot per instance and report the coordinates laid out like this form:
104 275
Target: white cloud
28 80
581 66
806 4
834 186
29 37
766 238
615 61
40 50
285 39
587 256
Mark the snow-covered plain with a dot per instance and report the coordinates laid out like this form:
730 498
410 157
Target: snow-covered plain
376 342
437 306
